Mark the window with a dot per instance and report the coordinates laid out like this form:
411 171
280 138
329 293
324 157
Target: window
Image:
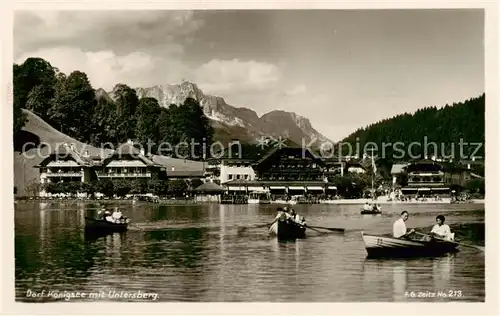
246 177
238 176
230 176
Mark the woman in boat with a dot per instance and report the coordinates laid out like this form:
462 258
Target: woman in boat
441 230
117 216
108 217
294 216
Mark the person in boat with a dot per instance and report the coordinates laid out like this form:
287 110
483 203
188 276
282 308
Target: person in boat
367 207
108 217
441 230
399 229
100 214
296 217
282 215
117 216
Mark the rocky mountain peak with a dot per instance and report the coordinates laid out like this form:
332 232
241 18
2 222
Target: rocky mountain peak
234 122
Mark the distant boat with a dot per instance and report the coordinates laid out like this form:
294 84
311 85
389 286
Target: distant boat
260 197
104 225
285 230
388 246
373 210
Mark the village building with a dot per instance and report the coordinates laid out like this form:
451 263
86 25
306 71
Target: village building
428 177
234 163
286 172
65 164
129 162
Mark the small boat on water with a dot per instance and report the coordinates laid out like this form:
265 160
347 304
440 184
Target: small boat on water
371 212
284 230
104 225
388 246
372 209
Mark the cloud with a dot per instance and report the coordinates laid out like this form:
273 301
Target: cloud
236 76
124 31
106 69
300 89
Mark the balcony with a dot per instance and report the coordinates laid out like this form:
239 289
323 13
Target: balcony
124 175
64 174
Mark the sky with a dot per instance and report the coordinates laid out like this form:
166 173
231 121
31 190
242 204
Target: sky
342 69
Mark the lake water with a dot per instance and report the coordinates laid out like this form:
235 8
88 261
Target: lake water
203 253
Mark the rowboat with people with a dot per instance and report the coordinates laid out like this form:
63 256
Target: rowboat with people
372 209
285 230
288 225
418 245
104 225
107 222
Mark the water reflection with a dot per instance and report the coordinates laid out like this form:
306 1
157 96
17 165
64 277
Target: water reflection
442 269
197 253
399 279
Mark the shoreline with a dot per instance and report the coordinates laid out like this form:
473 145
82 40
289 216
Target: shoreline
193 202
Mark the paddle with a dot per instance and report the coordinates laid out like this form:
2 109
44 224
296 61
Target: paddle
256 226
328 228
307 226
460 244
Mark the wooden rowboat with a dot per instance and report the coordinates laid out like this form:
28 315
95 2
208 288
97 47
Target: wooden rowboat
104 226
372 212
388 246
284 230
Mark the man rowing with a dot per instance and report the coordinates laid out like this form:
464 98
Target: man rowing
282 215
399 229
367 207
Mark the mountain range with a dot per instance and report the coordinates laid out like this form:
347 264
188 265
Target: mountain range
231 122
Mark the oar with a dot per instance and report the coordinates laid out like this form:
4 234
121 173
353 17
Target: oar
460 244
334 229
257 226
307 226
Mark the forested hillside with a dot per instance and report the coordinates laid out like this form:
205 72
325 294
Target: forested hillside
69 104
445 126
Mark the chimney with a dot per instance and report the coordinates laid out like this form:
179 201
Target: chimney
433 158
129 141
473 158
426 157
86 154
468 166
142 151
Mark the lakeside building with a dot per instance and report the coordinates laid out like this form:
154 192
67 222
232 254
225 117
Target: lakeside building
66 164
281 172
287 171
128 162
235 163
430 177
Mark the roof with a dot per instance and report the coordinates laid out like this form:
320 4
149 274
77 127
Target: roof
209 187
128 149
276 149
398 168
68 150
179 167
